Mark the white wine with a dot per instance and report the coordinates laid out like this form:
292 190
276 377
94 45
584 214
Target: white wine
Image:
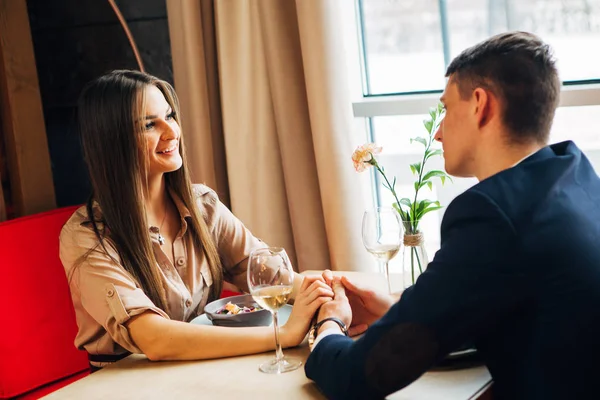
384 252
272 297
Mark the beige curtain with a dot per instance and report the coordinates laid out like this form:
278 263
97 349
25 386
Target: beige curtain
286 119
193 45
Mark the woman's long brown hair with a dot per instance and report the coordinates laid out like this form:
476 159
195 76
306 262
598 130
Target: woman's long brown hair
111 116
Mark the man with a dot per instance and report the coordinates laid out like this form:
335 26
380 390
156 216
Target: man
518 271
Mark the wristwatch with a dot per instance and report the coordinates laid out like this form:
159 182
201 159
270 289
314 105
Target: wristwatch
312 333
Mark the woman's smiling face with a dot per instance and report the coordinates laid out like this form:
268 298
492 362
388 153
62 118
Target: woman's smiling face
162 133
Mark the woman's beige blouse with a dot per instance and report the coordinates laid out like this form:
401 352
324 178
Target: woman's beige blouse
105 296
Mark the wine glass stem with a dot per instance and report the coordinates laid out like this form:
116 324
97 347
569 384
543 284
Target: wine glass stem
278 351
387 276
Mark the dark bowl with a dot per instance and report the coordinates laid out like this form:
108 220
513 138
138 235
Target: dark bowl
254 318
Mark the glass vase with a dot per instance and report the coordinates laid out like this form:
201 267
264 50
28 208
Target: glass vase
414 256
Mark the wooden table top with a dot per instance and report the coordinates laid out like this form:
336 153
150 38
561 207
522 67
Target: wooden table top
135 377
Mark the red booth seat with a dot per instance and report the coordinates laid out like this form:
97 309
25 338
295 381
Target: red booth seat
37 354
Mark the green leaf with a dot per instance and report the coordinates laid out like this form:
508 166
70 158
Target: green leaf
415 168
429 209
416 210
434 173
430 185
400 211
432 153
433 112
428 123
423 205
420 140
419 186
406 201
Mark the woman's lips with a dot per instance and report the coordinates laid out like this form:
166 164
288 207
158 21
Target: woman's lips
168 150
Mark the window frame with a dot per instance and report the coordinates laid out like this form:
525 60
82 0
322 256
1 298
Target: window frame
572 95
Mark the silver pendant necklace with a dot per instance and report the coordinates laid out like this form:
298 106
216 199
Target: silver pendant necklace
161 238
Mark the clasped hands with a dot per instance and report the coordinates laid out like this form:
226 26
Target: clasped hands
356 305
327 296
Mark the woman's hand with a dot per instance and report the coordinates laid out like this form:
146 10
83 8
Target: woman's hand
313 293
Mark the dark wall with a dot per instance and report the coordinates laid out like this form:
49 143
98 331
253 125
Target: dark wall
75 41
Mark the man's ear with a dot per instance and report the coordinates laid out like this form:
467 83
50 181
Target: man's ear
485 106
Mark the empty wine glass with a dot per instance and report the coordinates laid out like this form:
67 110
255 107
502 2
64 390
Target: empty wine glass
270 281
381 235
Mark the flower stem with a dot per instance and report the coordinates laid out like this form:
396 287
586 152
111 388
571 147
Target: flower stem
412 264
415 221
389 186
418 260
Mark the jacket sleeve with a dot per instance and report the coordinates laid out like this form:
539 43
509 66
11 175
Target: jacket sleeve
473 279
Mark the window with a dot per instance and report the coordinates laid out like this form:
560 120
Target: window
406 46
408 43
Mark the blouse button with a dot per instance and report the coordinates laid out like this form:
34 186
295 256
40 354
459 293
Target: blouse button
188 303
110 293
180 261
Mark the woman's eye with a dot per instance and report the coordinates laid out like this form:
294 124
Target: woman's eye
149 125
171 115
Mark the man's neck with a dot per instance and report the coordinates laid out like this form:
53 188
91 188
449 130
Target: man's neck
505 157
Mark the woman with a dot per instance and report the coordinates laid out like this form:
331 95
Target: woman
157 249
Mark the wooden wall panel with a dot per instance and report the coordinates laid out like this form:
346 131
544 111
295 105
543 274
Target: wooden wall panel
3 176
75 41
22 116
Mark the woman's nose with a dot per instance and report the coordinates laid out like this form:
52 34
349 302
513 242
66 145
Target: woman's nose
169 132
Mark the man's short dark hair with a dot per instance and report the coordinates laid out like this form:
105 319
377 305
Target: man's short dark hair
519 69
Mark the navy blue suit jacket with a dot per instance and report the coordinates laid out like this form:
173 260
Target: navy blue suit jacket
518 274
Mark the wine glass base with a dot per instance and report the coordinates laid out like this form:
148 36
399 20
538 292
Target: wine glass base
285 365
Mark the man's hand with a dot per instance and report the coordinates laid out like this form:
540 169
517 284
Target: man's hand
367 305
338 307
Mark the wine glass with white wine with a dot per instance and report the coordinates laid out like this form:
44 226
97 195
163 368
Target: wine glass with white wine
270 280
381 235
